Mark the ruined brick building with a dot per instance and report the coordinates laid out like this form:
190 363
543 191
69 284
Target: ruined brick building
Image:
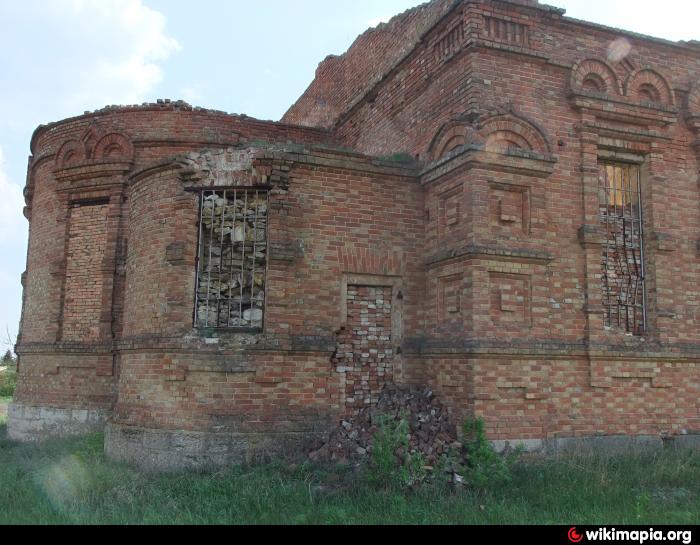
484 196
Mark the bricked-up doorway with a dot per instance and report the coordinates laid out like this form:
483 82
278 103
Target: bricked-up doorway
366 353
84 301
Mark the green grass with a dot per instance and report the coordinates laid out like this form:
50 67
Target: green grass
71 482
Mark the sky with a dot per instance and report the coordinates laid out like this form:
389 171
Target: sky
59 58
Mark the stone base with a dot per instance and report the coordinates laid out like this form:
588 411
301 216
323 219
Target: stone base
167 450
27 424
602 445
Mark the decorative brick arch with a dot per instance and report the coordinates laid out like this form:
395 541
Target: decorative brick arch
451 136
113 147
694 100
508 131
595 75
90 138
72 153
647 85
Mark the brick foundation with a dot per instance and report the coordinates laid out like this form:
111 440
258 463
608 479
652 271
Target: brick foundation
164 450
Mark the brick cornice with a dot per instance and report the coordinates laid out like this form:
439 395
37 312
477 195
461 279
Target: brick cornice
536 257
473 156
623 110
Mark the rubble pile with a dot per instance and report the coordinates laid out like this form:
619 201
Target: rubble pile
430 429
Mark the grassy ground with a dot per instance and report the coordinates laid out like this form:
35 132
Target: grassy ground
71 482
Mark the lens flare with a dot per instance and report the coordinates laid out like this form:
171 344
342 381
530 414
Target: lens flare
619 49
63 482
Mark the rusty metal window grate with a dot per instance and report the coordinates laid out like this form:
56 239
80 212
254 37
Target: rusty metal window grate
624 297
232 258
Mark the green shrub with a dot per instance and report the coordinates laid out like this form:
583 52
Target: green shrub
483 466
392 463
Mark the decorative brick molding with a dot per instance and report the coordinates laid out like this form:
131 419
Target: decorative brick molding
450 299
493 133
72 153
450 137
597 76
648 85
510 130
511 299
510 207
94 148
604 374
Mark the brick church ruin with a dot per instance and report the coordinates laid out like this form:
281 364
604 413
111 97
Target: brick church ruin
483 196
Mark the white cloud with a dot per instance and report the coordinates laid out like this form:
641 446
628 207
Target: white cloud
80 54
129 46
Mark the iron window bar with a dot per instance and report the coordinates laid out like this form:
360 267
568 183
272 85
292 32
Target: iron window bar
621 214
232 258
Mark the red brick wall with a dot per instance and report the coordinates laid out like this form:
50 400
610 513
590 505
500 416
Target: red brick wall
283 379
68 380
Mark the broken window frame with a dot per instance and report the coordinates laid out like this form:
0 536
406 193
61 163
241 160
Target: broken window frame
621 214
240 193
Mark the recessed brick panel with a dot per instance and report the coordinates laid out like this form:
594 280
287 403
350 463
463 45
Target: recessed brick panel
450 299
451 211
510 208
511 297
87 241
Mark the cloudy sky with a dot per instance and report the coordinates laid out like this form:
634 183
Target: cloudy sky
59 58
